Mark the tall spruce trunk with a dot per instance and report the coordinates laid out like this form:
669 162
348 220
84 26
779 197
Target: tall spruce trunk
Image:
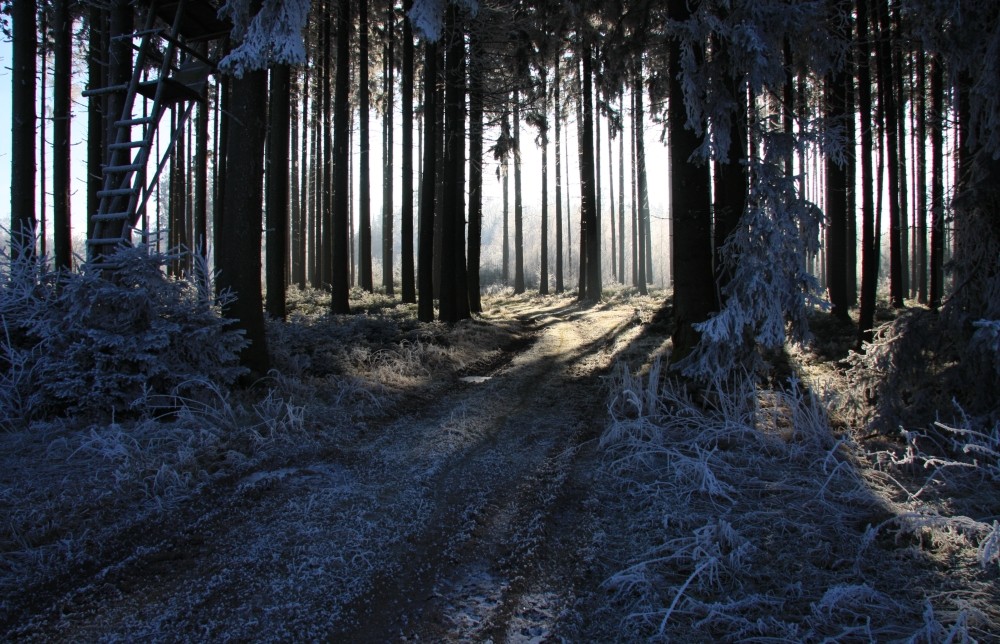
407 270
387 157
543 278
836 201
62 81
428 180
938 116
557 117
364 178
340 268
454 301
588 185
920 183
239 254
642 190
22 163
869 241
887 92
475 169
276 230
694 288
621 194
518 199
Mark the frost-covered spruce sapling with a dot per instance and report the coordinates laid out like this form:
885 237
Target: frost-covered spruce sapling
103 344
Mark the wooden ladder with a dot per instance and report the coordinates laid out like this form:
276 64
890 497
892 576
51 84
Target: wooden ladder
125 189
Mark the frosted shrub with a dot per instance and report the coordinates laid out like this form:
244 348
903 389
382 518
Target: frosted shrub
93 343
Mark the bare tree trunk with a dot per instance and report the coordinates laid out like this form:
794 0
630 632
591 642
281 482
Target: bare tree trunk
428 179
387 154
611 198
364 180
340 269
543 280
518 199
454 301
588 186
641 189
62 79
406 215
621 193
921 179
694 292
505 187
557 117
937 183
95 111
239 254
869 240
890 113
22 165
475 169
277 189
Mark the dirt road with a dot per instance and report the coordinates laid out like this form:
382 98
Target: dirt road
470 517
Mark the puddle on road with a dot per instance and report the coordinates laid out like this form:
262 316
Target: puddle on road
475 380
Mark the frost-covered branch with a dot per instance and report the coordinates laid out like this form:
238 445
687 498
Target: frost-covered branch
271 36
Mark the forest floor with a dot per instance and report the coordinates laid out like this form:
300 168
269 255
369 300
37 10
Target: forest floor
452 484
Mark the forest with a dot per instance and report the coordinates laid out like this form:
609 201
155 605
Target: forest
506 320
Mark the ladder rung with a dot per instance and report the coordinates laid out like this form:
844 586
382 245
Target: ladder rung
142 120
111 216
125 145
117 192
138 34
100 91
128 167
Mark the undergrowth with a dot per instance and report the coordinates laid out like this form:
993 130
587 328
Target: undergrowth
754 521
118 409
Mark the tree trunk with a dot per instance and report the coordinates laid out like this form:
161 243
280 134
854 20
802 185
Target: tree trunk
340 272
731 184
937 183
364 180
475 169
505 188
635 201
543 278
588 186
406 214
299 194
641 188
277 189
611 199
387 154
22 164
454 303
518 199
325 208
95 111
62 80
428 179
621 193
888 108
920 193
851 138
557 117
239 254
869 241
898 87
694 292
837 187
